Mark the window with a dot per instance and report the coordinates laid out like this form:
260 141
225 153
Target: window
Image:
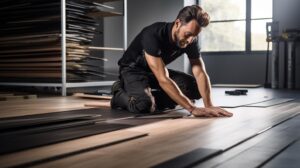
224 36
261 13
236 25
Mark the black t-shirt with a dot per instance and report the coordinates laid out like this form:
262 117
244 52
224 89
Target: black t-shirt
156 40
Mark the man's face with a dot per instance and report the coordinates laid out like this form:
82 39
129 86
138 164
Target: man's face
185 34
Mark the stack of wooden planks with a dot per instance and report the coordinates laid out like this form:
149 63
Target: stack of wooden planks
12 96
30 41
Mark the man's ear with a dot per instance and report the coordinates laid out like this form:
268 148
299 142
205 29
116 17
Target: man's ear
177 23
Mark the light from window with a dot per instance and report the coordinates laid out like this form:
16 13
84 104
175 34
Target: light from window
261 9
226 32
225 9
261 13
259 35
223 36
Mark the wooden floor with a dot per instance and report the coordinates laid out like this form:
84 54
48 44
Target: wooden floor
253 137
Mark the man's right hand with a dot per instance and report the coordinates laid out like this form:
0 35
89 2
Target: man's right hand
210 112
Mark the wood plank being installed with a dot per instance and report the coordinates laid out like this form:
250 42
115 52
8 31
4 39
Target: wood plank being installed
90 96
98 104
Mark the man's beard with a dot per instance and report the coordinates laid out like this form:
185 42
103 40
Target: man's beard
179 43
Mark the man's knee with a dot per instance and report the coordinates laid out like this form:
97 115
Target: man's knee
142 104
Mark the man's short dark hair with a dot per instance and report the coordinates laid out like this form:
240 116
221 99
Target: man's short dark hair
189 13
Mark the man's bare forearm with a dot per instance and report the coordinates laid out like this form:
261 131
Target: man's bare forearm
204 87
170 87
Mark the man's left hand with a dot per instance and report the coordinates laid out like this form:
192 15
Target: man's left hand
221 111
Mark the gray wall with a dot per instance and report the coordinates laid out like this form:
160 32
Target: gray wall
236 69
287 13
113 37
142 13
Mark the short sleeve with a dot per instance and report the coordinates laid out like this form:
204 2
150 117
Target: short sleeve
150 43
193 50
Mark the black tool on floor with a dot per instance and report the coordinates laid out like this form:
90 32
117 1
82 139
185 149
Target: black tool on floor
236 92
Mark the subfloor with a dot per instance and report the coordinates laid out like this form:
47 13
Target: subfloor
253 137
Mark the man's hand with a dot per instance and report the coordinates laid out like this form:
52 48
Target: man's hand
210 112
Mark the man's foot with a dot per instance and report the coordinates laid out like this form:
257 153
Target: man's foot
115 87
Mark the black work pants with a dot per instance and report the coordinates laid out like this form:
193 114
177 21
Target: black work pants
133 97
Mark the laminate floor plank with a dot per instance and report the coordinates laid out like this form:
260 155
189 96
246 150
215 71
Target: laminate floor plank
259 149
269 103
189 159
14 143
41 106
64 149
36 120
288 158
169 139
236 101
260 152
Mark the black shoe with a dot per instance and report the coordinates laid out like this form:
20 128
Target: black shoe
115 87
119 100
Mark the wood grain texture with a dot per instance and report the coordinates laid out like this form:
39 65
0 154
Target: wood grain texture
288 158
69 148
189 159
41 106
172 138
261 149
90 96
99 104
167 139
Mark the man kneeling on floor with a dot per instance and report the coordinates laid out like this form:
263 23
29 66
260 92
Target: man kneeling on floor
146 85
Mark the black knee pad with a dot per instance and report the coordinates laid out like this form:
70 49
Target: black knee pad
143 104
